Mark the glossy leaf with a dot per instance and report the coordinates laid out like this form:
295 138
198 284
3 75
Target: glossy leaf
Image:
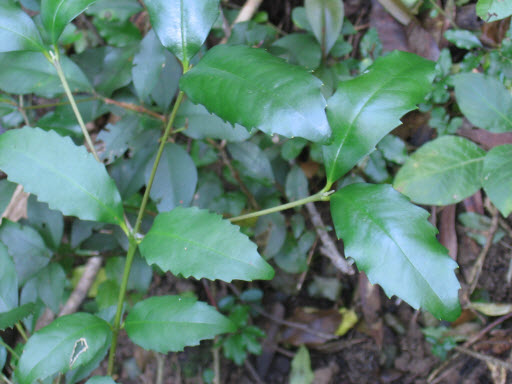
8 281
183 26
492 10
26 247
484 101
175 179
17 30
201 124
61 174
170 323
30 72
251 87
392 241
10 318
442 172
57 14
326 20
67 343
194 242
497 177
363 110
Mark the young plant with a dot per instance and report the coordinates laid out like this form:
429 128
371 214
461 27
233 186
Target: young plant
388 237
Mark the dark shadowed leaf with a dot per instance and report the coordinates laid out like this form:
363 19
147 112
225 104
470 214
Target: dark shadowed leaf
194 242
251 87
170 323
8 281
175 179
392 241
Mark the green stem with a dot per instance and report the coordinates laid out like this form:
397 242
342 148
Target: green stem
320 196
21 331
9 349
54 59
133 240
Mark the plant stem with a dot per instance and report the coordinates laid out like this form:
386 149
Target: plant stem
21 331
54 59
320 196
9 349
132 237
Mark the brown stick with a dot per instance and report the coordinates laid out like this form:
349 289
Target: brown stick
328 249
135 108
92 267
477 268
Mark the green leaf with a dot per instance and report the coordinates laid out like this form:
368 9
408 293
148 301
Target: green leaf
194 242
118 33
26 247
497 177
61 174
175 179
296 186
8 281
49 283
252 161
302 49
30 72
202 124
170 323
492 10
17 30
49 223
399 252
326 20
108 68
6 191
363 110
301 372
148 64
485 101
251 87
100 380
67 343
57 14
114 10
183 26
442 172
10 318
462 38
